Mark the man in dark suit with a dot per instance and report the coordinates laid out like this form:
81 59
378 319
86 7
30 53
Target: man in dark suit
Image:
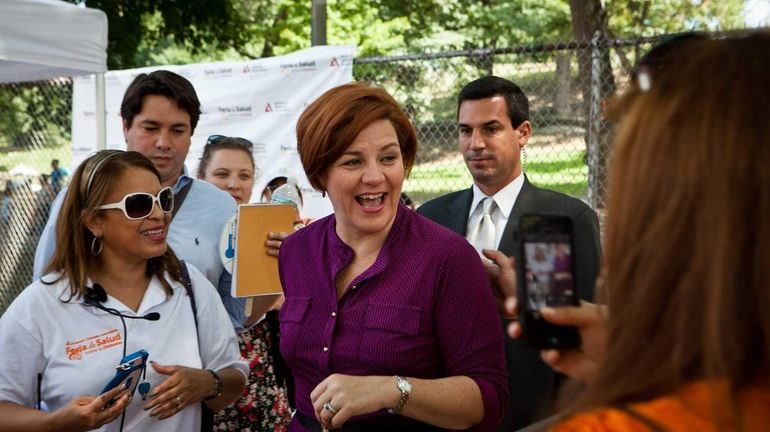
494 127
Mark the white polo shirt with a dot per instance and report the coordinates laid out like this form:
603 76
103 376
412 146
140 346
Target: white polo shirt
76 347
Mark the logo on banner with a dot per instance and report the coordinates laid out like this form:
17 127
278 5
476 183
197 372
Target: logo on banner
235 110
344 60
217 73
264 90
259 148
303 66
254 69
279 106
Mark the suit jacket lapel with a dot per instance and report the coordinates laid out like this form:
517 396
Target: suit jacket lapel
522 205
457 213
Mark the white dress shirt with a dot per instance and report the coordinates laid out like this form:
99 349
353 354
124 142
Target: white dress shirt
505 198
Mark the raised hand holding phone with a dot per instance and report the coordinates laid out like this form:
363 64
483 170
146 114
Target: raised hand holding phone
502 276
583 362
580 363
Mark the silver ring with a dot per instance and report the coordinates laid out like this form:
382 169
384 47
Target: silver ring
329 408
178 402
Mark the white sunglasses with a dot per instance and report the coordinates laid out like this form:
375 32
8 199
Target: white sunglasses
139 205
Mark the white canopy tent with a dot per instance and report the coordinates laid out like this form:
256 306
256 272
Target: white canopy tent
42 39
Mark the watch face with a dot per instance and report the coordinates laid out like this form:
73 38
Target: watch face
404 385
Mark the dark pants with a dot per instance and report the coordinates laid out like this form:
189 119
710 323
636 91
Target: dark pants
406 425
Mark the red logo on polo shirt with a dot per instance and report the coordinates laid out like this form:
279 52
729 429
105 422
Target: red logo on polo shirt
88 345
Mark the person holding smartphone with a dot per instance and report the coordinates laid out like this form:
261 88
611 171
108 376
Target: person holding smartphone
115 287
688 329
587 318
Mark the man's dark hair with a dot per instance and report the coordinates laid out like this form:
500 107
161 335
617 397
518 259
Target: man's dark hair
490 86
161 83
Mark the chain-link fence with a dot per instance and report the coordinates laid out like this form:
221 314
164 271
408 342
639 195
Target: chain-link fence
35 123
566 83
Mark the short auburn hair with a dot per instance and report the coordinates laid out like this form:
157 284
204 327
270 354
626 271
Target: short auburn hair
330 124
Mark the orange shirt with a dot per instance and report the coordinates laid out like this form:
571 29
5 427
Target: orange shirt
690 409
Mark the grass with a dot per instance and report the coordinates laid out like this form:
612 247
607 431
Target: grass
564 171
38 159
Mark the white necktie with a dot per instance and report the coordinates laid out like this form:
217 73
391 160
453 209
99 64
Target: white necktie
484 234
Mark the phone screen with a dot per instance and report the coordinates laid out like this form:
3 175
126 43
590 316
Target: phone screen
548 272
546 278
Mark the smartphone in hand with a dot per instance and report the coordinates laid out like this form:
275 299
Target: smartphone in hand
128 371
546 277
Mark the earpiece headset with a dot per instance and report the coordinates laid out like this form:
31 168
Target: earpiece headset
96 295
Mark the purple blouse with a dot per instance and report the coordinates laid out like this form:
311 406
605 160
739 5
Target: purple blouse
424 309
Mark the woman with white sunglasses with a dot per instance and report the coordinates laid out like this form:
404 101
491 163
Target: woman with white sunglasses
114 288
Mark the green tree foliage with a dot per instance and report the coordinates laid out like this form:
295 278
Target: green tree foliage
441 24
634 18
193 24
33 117
146 32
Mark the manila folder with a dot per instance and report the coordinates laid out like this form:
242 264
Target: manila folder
256 272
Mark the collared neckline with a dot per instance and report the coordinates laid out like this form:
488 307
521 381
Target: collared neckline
182 181
343 254
153 296
505 198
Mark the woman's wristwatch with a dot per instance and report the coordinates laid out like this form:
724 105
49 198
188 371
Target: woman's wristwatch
218 386
405 387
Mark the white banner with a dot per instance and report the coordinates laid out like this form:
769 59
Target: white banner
259 100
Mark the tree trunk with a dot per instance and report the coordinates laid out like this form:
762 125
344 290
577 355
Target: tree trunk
589 24
272 38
